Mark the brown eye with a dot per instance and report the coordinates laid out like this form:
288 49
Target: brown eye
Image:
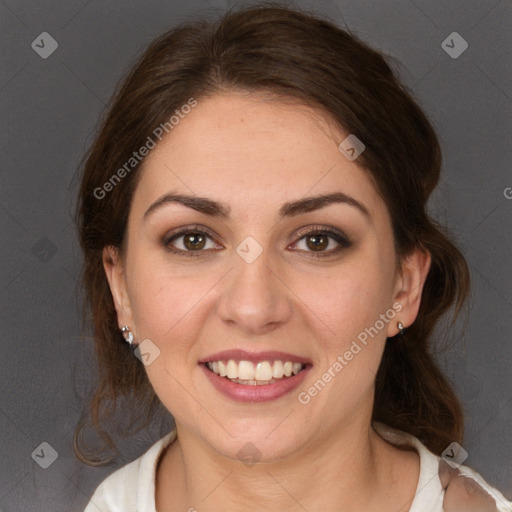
322 241
190 242
317 242
194 241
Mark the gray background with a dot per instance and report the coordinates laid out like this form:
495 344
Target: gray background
49 110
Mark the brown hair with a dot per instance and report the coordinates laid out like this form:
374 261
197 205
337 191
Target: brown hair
299 56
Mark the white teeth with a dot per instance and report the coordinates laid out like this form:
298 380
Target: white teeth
222 369
246 372
296 368
278 370
232 369
263 371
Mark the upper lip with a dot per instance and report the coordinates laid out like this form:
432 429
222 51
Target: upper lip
255 357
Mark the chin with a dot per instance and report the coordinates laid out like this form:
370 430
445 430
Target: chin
261 442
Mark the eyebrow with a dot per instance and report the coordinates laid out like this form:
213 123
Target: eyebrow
289 209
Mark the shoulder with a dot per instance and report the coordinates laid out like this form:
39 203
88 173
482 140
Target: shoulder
131 487
444 488
466 491
118 491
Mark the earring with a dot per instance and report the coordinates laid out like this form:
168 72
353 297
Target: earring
127 335
401 328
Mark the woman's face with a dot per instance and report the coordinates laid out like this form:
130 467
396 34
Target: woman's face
268 274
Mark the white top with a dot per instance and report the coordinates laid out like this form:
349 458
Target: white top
132 487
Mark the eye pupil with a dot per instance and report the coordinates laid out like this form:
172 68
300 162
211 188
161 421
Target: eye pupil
317 242
194 241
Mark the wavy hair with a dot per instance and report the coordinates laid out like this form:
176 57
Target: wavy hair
297 56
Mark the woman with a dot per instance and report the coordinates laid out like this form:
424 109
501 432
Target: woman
259 261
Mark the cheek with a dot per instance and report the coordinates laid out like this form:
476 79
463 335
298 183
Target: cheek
165 310
349 352
351 299
161 299
353 310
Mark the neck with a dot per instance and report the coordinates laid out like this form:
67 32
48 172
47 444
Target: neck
351 470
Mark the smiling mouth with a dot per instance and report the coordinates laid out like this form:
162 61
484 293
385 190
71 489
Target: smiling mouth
255 374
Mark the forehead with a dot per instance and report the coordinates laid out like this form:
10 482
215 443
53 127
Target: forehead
250 149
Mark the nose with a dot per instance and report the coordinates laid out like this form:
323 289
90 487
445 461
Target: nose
254 297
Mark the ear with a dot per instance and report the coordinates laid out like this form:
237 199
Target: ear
115 272
409 286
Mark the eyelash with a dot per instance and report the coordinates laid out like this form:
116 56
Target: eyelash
340 238
186 231
337 236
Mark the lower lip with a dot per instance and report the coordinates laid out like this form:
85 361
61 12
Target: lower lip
256 393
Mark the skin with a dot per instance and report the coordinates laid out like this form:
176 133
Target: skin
463 494
253 154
